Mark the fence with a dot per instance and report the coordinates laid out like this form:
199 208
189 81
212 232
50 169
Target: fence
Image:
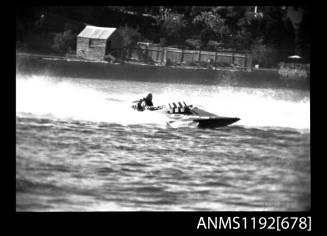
161 55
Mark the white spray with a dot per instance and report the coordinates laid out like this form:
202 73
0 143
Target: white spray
110 101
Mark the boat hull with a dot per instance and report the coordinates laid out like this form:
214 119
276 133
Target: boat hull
216 122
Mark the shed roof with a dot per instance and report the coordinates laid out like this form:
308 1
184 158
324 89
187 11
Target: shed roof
95 32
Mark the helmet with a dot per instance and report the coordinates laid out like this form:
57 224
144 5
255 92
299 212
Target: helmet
149 96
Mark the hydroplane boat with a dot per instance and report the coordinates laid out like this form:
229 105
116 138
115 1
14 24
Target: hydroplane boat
185 112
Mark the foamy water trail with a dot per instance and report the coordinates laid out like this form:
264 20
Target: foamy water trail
67 100
110 101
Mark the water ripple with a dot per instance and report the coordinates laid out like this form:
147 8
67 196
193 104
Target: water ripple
77 165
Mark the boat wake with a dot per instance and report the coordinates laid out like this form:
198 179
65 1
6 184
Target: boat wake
110 101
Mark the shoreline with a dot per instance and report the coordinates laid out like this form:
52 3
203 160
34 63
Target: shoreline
63 66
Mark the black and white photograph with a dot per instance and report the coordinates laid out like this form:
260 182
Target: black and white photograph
163 108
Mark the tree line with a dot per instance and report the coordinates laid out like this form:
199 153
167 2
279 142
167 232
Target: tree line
270 33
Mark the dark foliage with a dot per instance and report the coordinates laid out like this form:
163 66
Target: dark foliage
266 31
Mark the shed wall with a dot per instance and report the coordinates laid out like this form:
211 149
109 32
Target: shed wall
84 50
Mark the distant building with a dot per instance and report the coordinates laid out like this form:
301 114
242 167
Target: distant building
97 43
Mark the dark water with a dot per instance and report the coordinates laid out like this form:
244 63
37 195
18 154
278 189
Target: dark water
79 150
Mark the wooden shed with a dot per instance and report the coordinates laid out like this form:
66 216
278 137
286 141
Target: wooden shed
95 43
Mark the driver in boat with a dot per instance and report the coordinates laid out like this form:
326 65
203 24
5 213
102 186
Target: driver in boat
147 101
